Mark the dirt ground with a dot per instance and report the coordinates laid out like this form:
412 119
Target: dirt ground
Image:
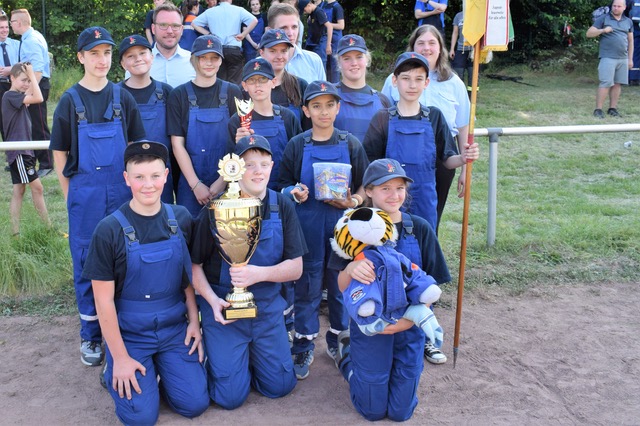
554 355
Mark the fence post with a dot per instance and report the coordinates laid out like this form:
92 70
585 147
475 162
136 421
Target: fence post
493 185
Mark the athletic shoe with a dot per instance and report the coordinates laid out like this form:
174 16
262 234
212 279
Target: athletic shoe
103 380
91 353
344 345
301 364
333 354
598 113
433 354
613 112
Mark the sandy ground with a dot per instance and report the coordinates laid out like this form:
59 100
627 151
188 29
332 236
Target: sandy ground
554 355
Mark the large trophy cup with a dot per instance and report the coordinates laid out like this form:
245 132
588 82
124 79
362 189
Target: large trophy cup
237 229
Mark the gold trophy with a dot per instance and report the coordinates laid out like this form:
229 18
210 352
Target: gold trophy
237 230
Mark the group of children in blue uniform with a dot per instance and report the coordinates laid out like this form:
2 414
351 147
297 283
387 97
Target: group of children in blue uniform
138 258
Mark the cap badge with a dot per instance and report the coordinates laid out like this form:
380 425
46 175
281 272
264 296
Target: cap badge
390 168
132 40
146 146
209 44
413 55
351 41
323 87
252 140
97 34
256 66
278 35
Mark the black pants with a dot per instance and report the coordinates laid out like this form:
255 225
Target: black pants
444 178
231 68
40 127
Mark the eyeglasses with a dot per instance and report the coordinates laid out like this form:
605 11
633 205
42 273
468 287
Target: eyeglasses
257 81
165 27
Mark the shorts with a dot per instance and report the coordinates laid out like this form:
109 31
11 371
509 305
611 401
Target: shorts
613 71
23 170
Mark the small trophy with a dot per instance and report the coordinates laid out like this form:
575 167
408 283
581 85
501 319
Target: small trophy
237 230
245 110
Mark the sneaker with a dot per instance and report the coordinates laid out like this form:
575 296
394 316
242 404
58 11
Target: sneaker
433 354
301 364
613 112
91 353
344 344
333 354
598 113
103 380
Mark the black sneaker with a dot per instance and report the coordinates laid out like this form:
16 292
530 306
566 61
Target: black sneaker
598 113
613 112
433 354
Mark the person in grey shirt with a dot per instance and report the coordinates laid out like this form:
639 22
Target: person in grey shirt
225 21
616 55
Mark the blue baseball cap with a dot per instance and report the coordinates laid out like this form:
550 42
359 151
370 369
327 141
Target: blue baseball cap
207 44
92 37
302 4
383 170
252 142
319 88
274 37
131 41
257 66
411 57
351 42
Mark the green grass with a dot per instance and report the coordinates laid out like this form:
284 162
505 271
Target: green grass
567 208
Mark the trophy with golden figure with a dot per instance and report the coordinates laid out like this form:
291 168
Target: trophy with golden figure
237 230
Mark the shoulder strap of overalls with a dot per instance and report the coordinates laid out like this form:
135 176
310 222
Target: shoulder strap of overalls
224 87
393 112
116 107
425 111
127 229
306 135
342 136
77 103
172 222
273 204
158 94
191 95
407 224
277 111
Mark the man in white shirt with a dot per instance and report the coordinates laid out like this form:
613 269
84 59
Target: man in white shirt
302 63
225 21
171 63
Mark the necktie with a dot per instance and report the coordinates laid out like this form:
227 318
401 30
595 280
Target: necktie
5 55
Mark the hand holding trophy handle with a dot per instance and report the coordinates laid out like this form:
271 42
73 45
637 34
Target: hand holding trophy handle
236 231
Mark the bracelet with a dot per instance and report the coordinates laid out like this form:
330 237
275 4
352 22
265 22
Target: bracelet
358 199
355 202
193 188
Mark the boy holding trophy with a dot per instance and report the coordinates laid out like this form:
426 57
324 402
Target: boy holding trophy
255 351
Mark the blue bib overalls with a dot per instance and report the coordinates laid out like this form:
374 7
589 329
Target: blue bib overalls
154 120
250 352
206 144
151 315
95 191
412 143
318 220
356 110
276 133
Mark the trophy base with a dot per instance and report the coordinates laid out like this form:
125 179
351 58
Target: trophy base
232 313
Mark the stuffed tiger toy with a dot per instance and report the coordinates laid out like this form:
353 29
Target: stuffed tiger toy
359 228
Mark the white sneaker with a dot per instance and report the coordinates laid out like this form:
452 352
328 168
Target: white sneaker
91 353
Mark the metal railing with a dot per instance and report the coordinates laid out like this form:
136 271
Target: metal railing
493 133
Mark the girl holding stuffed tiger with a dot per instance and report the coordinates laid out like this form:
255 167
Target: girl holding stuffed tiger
384 370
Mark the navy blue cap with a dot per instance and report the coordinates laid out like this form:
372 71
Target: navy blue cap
319 88
207 44
273 37
408 57
257 66
92 37
302 4
131 41
155 149
383 170
351 42
252 142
